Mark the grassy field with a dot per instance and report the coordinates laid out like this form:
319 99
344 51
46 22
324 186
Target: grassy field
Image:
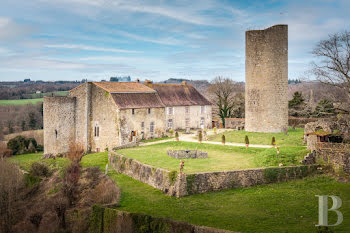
34 98
294 137
283 207
156 139
220 157
21 101
26 160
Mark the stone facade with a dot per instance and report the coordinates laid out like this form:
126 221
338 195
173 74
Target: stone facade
180 184
266 89
187 154
59 124
194 117
102 115
234 123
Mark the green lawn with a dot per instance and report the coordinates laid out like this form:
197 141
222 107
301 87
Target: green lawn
220 157
156 139
282 207
294 137
26 160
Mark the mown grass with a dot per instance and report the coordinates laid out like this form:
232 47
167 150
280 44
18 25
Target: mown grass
220 158
282 207
156 139
294 137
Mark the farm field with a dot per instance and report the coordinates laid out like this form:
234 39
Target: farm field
220 158
33 98
243 209
294 137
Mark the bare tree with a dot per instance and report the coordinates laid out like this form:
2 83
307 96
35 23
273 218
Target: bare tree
333 66
223 92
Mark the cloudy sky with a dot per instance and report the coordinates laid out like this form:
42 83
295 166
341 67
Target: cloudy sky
97 39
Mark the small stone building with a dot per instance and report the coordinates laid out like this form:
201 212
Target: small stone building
185 107
104 115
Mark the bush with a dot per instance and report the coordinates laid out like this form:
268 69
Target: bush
246 139
21 145
177 136
223 139
200 136
273 141
40 148
71 178
76 152
40 170
214 129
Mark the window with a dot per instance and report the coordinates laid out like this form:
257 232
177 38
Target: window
142 125
203 109
97 131
132 111
56 133
149 111
170 123
151 127
170 110
187 122
187 110
202 121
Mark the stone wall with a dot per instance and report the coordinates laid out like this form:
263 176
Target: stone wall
187 154
234 123
59 124
104 220
140 123
179 185
266 89
335 154
193 116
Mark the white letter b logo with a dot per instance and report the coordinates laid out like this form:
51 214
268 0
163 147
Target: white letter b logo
323 210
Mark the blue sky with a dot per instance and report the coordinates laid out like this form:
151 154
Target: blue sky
157 40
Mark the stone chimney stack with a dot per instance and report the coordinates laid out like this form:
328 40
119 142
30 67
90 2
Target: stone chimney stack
148 83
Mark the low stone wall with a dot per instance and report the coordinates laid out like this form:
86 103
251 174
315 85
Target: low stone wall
187 154
335 154
174 184
105 220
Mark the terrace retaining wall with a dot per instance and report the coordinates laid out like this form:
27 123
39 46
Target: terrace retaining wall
179 185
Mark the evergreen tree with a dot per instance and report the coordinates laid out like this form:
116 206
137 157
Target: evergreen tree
324 108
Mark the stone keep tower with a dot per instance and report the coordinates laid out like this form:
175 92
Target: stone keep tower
266 73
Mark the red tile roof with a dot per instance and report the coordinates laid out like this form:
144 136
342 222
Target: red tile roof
124 87
137 100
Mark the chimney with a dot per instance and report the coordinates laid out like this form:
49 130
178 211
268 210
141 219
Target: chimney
137 80
148 83
184 83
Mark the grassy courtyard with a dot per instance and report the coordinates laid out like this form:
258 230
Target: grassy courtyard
294 137
220 158
283 207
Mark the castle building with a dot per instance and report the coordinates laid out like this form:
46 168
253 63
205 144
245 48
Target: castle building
104 115
266 98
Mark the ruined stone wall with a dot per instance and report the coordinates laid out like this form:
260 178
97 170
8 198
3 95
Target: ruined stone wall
266 94
194 116
335 154
179 185
59 124
133 122
104 116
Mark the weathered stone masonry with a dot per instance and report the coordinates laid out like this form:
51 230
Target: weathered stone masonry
179 185
266 98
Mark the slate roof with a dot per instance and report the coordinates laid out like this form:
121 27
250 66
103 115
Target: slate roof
179 95
137 100
124 87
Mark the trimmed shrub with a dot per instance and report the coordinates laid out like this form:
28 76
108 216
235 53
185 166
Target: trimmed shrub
177 136
214 129
246 140
223 139
273 141
200 137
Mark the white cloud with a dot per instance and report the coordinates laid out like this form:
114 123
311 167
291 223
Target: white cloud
9 30
90 48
